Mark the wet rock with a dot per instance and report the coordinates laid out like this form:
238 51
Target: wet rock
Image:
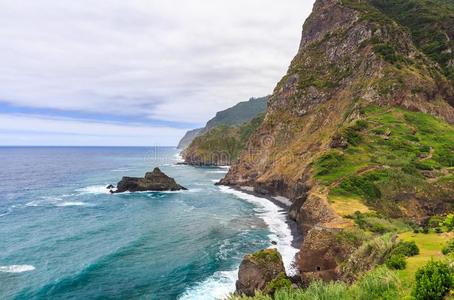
153 181
259 269
109 187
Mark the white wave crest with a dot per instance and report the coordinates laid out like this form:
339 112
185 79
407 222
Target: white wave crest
16 268
276 219
55 201
223 171
73 203
94 189
218 286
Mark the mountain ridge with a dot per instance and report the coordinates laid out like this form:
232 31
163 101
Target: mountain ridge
360 91
238 114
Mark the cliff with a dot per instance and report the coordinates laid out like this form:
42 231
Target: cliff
238 114
220 145
187 139
361 122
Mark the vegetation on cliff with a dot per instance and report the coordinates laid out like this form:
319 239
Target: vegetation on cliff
220 145
362 142
392 157
236 115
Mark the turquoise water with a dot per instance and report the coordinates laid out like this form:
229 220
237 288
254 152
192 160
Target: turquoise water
63 236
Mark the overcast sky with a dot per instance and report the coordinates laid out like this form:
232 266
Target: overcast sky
136 72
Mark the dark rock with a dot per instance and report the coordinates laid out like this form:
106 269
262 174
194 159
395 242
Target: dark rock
273 242
338 141
109 187
153 181
257 270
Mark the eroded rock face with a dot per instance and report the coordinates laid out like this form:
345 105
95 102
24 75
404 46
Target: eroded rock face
153 181
257 270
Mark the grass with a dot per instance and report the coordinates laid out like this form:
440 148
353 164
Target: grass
430 246
347 205
387 153
378 284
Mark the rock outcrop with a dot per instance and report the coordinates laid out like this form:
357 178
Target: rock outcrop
258 271
153 181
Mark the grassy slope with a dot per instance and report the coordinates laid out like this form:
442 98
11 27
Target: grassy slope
430 246
378 284
389 151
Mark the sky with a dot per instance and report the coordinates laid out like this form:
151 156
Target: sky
136 72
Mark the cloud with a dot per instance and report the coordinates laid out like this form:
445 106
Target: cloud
173 60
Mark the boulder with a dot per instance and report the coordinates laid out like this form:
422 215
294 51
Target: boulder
260 271
109 187
153 181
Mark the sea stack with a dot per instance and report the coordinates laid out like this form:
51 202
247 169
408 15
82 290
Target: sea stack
153 181
261 271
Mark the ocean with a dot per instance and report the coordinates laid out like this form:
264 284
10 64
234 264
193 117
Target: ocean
64 236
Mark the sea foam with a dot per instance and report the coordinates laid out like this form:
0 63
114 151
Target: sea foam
218 286
276 219
94 189
222 283
16 268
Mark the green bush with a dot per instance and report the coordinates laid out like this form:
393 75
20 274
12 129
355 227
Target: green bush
387 52
449 247
433 281
396 262
449 220
280 282
327 162
406 248
435 221
361 186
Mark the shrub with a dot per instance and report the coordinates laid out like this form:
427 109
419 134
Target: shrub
406 249
433 281
449 247
327 162
280 282
396 262
425 230
438 230
435 221
380 283
361 186
387 52
449 220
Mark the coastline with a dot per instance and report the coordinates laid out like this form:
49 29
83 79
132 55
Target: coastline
296 234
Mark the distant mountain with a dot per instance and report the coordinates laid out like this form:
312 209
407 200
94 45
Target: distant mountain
236 115
239 114
188 138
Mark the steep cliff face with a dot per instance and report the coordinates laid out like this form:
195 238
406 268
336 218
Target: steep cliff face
353 58
223 138
236 115
220 145
187 139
